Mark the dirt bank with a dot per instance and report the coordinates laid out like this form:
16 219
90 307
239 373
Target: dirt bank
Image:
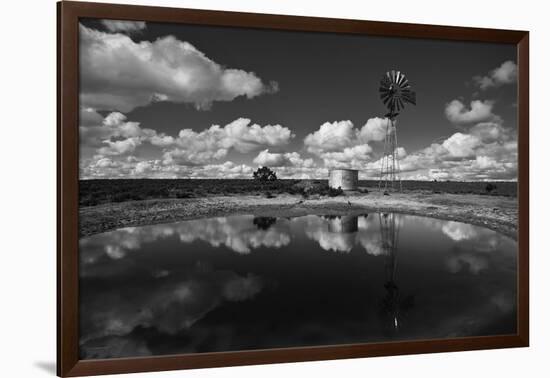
496 213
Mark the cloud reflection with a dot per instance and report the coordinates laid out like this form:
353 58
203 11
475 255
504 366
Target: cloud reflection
238 233
472 261
459 231
150 291
170 308
241 234
342 233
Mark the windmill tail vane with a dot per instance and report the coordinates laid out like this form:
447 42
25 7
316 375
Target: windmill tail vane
395 91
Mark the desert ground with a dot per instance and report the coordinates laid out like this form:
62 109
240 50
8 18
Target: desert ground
103 208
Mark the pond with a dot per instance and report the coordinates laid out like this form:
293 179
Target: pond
244 282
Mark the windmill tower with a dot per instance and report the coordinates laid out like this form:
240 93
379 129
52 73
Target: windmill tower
395 91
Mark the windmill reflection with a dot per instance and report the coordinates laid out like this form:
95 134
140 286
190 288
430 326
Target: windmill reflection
393 305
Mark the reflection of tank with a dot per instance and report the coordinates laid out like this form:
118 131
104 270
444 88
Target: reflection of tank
347 179
345 224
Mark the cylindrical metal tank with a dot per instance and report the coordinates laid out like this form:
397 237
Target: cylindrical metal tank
347 179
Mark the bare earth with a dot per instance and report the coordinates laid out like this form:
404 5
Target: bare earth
494 212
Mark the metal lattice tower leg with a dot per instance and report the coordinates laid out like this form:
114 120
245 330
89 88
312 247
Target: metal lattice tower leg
390 179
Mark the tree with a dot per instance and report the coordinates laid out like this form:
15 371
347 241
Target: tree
490 187
265 174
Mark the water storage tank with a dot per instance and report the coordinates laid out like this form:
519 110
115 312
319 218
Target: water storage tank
347 179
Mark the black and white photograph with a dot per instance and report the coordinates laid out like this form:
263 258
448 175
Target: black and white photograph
249 189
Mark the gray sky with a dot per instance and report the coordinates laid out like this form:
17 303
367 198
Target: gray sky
170 100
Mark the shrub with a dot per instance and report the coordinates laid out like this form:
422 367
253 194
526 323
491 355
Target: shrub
264 174
335 192
490 187
183 195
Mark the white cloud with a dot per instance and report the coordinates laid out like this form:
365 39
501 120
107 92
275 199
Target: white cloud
506 73
333 136
215 142
119 147
348 156
225 170
461 145
479 111
115 135
302 173
489 132
374 130
120 74
341 145
162 140
124 26
89 117
288 159
485 151
100 166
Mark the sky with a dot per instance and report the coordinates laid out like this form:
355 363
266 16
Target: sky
160 100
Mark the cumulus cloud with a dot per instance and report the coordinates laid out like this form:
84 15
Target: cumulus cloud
331 137
374 130
124 26
112 147
114 134
485 151
109 167
113 137
339 144
191 147
479 111
117 73
348 156
506 73
461 145
288 159
89 117
120 147
489 132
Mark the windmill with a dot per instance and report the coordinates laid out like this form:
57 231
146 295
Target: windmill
395 92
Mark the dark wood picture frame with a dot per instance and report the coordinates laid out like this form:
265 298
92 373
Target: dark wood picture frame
68 363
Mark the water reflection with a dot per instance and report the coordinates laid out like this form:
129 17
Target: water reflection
245 282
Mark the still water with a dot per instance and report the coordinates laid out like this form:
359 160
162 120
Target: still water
245 282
